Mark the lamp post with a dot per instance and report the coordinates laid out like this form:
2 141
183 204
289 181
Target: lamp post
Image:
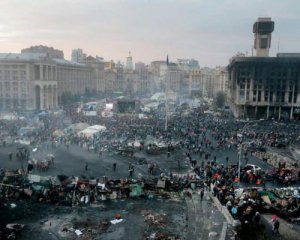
240 152
241 147
239 167
23 155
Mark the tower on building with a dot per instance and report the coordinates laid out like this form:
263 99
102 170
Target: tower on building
262 30
129 63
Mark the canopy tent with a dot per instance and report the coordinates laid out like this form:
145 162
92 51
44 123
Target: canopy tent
159 96
90 131
97 127
58 133
77 127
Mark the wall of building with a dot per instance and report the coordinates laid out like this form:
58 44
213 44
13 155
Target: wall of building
264 87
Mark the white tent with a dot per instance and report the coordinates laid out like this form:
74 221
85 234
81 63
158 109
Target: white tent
158 96
90 131
77 127
98 128
58 133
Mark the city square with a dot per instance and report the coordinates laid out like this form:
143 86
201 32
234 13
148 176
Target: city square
168 125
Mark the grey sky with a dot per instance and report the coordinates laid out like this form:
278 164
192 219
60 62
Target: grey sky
210 31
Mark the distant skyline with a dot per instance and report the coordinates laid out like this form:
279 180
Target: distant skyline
210 31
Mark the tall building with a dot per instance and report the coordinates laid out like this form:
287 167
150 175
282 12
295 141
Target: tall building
78 55
195 83
159 70
207 82
262 86
139 66
38 77
28 81
221 81
262 30
129 63
188 64
174 78
265 87
97 64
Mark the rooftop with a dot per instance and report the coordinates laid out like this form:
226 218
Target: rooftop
23 56
36 57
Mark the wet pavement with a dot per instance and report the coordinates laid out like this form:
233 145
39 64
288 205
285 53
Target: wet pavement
204 220
188 218
94 221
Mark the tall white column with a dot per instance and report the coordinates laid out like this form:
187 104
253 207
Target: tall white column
41 97
41 72
45 97
54 96
51 97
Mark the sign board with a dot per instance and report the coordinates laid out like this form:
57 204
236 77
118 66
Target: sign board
90 113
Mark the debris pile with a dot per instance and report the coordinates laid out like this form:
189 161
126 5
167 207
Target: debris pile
157 219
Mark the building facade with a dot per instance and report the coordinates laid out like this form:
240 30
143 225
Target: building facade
38 79
265 87
207 82
27 81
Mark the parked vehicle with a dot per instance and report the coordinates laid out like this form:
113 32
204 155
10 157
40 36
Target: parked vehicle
254 168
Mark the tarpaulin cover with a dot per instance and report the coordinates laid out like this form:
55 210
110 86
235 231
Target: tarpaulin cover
269 194
37 188
136 190
266 199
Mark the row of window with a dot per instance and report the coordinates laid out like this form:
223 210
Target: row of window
13 96
14 66
270 96
22 72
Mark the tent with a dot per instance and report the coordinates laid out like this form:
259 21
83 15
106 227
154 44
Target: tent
77 127
58 133
158 96
90 131
97 127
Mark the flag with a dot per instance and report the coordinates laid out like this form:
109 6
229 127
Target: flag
167 60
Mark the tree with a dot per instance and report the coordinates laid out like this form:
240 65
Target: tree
220 99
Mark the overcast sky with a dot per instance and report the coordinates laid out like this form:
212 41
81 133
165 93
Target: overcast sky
210 31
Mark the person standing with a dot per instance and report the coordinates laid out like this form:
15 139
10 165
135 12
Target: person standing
115 166
86 166
275 224
10 156
100 153
201 194
131 170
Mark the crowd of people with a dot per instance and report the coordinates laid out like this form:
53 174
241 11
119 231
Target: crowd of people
200 137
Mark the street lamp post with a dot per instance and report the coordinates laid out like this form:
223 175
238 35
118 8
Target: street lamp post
239 167
23 155
240 152
241 148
